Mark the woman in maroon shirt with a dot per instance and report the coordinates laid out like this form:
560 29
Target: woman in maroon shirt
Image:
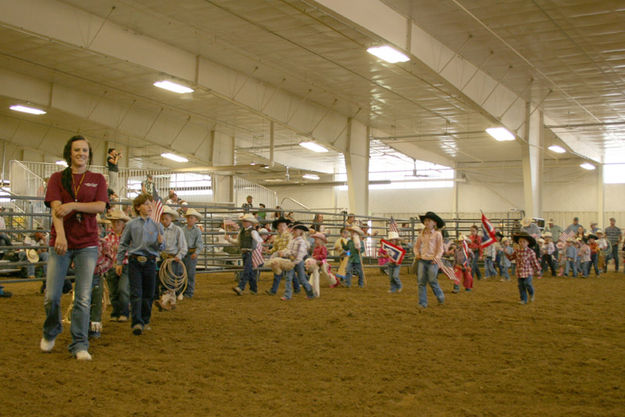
74 195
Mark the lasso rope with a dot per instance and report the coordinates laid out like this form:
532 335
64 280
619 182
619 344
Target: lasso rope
171 281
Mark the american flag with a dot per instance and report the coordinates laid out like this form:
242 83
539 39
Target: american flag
157 206
447 270
465 250
489 232
564 236
392 226
257 256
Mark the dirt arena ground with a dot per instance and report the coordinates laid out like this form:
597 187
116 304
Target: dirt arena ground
353 352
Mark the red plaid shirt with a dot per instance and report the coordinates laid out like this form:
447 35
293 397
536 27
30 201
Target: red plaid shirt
105 257
113 241
526 262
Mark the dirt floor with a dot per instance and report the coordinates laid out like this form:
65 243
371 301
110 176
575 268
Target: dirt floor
352 352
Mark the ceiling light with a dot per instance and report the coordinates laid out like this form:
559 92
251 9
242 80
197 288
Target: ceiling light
556 149
313 146
174 157
388 54
26 109
62 163
587 166
171 86
311 177
500 133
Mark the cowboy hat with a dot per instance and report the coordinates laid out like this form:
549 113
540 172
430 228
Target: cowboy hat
526 221
170 211
117 214
547 234
300 226
319 236
355 229
462 237
526 236
433 216
599 231
392 235
193 212
32 256
592 236
100 220
279 220
247 217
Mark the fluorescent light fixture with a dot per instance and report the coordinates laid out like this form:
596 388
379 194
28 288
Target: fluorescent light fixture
388 54
61 163
313 146
311 177
26 109
171 86
174 157
588 166
556 149
500 133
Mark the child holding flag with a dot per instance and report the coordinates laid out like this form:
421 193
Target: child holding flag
428 249
463 257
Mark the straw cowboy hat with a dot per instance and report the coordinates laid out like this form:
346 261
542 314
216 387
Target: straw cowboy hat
248 218
547 234
32 256
392 235
462 237
319 236
193 212
100 220
598 231
117 214
168 210
433 216
526 236
526 221
356 229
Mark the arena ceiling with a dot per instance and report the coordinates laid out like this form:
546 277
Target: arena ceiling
302 67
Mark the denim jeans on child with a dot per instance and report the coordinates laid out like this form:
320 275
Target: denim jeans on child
190 265
119 292
427 272
248 275
142 282
525 288
85 260
348 274
300 272
475 268
393 273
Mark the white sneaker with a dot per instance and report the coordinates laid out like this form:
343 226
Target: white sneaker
95 326
122 319
180 297
83 355
46 345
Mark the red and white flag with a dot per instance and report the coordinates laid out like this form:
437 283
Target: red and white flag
447 270
157 207
489 232
257 256
392 226
564 236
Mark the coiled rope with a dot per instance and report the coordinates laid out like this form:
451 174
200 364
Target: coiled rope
169 279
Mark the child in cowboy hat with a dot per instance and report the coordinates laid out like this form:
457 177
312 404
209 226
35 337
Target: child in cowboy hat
104 263
428 250
247 240
195 244
506 249
547 251
297 250
280 242
119 292
392 269
463 256
604 248
354 247
526 263
319 256
175 248
571 257
594 252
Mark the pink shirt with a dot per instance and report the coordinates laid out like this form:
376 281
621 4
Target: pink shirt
320 253
429 245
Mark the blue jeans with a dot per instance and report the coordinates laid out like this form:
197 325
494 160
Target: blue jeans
301 278
570 265
427 272
276 283
489 267
525 287
475 268
30 269
119 292
505 273
84 263
348 274
190 265
614 255
393 273
594 260
142 282
248 275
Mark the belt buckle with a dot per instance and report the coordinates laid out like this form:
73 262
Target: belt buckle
142 259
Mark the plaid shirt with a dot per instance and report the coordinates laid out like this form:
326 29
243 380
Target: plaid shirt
281 242
113 241
526 262
613 234
105 257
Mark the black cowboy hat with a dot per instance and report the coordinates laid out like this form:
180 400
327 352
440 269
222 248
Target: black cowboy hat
301 226
526 236
279 220
440 223
592 236
498 234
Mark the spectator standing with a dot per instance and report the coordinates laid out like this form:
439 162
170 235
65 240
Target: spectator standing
614 236
112 161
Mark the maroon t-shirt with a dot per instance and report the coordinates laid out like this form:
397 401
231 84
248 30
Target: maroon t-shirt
84 233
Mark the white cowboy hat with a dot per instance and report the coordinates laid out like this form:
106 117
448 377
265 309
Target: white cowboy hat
526 221
356 229
547 234
32 256
392 235
193 212
117 214
100 220
319 236
248 218
170 211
